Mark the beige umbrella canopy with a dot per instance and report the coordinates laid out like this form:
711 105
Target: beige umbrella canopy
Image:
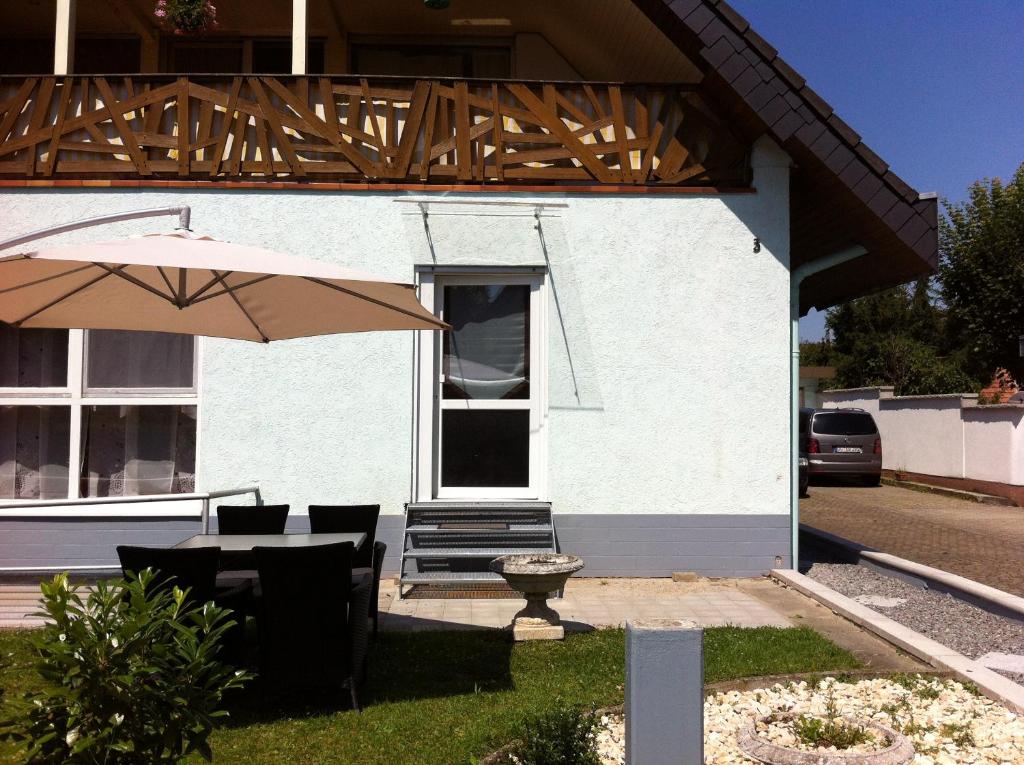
196 285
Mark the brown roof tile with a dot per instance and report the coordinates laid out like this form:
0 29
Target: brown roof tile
760 96
900 187
848 134
897 216
747 81
739 23
699 18
789 124
791 75
761 45
819 104
883 201
877 163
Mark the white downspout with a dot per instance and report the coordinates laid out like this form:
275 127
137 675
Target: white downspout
797 275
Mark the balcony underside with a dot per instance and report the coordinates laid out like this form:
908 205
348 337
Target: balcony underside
367 130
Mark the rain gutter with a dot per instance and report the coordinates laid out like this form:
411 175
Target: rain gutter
797 275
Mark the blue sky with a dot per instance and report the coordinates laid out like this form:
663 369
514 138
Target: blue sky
935 87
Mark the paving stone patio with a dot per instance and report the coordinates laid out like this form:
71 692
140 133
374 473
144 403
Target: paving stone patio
592 603
981 542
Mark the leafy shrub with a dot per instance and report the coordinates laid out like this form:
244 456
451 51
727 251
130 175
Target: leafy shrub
825 733
130 675
562 736
832 730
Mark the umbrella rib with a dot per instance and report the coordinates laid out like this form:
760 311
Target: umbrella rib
45 279
440 324
61 299
137 282
191 298
237 287
167 281
240 306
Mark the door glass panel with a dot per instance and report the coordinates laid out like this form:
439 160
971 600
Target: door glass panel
139 360
34 444
487 352
33 358
485 447
138 450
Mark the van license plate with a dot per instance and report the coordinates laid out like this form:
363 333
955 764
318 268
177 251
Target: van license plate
848 450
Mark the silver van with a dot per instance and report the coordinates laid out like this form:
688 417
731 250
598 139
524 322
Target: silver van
841 442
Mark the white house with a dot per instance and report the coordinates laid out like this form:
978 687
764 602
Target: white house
611 203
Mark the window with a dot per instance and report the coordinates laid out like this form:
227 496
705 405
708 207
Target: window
482 386
844 424
96 413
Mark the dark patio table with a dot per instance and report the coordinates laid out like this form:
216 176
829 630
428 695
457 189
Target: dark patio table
242 543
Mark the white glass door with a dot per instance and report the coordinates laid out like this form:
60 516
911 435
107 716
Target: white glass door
487 387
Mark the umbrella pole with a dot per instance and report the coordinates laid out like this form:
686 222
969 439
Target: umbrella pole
184 213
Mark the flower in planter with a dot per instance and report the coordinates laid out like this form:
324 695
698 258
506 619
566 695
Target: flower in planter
187 16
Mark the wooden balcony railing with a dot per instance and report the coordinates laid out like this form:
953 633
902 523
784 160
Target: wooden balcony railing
351 129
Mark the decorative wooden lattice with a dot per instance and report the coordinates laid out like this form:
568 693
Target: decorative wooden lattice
329 128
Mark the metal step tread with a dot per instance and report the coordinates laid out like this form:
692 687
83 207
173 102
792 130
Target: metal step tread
474 552
447 577
526 528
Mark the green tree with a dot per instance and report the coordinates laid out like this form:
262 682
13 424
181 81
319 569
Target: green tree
982 274
894 338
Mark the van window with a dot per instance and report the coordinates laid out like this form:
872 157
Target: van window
844 424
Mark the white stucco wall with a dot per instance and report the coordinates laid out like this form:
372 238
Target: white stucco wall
942 435
676 330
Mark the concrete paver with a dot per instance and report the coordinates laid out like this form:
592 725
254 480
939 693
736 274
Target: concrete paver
592 603
981 542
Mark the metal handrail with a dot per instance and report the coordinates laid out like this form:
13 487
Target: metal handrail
10 509
28 506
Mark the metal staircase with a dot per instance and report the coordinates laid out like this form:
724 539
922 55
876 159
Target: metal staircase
449 545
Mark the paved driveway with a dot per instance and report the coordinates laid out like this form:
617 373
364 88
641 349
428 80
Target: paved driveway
981 542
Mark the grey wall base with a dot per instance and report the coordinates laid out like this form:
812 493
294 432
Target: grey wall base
612 545
658 544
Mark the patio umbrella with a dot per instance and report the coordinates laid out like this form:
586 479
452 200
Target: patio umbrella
190 284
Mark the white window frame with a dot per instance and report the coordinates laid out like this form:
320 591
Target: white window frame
429 404
76 396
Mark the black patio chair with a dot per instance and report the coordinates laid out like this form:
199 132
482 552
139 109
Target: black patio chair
194 569
348 519
251 519
355 519
312 622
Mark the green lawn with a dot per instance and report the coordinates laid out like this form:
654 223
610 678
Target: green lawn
447 698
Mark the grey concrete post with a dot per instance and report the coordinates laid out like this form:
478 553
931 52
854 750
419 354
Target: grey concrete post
664 692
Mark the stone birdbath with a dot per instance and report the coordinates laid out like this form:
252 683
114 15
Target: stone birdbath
536 575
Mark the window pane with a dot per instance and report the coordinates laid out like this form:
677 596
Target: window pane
138 450
34 443
33 358
487 352
844 424
119 359
485 448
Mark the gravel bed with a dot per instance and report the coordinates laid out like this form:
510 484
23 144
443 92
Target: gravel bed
945 722
961 626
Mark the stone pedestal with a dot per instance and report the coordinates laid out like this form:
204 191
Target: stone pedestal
538 621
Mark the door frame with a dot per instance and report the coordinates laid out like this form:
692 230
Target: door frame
427 376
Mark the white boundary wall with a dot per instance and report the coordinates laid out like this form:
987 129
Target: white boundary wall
945 435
